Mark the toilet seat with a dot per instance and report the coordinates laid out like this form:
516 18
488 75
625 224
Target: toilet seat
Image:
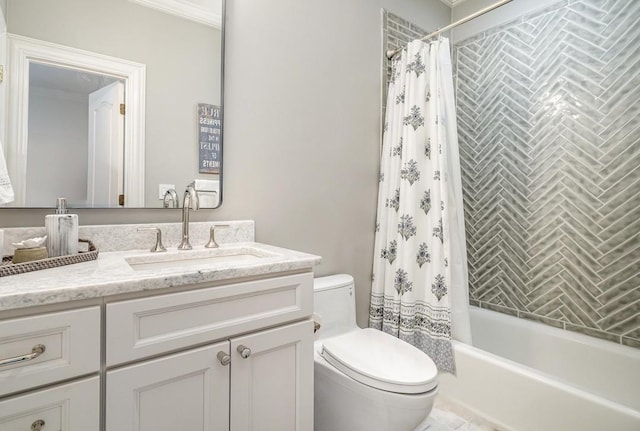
382 361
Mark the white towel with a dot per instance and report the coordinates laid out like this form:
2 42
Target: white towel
6 191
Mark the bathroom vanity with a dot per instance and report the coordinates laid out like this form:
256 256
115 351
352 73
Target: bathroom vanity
218 339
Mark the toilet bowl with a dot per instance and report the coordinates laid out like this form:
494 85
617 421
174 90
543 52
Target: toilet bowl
365 379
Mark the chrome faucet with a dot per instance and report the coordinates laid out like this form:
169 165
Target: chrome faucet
190 199
170 196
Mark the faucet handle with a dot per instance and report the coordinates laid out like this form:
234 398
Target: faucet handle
212 236
158 247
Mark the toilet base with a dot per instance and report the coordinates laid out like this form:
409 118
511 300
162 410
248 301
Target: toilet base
343 404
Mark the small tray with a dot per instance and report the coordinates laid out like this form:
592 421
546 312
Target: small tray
7 267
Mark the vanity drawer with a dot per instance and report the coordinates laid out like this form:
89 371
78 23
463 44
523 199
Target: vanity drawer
150 326
71 343
69 407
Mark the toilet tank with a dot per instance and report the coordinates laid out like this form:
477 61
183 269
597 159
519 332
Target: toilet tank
334 302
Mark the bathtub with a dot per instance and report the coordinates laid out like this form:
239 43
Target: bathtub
526 376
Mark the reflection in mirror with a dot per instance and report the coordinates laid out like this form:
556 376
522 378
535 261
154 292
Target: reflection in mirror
111 135
163 57
74 116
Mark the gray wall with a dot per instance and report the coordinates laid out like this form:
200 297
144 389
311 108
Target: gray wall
302 127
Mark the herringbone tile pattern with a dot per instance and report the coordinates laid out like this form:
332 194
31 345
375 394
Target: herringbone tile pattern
549 129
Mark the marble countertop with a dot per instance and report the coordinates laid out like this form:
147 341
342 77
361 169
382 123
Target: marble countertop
112 274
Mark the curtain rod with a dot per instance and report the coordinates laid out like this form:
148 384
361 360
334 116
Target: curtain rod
393 52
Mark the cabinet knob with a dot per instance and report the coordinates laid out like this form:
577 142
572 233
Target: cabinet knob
37 425
244 351
224 358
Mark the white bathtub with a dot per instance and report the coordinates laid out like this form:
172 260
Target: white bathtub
526 376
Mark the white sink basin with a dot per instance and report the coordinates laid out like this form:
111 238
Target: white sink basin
204 258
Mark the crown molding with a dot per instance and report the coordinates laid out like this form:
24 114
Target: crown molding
452 3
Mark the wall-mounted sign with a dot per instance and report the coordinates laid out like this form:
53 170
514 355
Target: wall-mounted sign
209 138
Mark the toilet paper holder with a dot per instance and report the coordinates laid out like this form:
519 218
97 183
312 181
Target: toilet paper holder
317 322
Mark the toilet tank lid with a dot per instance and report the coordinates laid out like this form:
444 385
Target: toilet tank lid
332 282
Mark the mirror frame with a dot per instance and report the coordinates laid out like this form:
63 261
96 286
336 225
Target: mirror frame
223 19
135 99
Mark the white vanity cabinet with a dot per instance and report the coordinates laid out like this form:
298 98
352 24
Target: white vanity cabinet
40 352
269 389
202 360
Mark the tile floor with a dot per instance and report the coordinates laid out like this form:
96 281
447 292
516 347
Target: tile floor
448 416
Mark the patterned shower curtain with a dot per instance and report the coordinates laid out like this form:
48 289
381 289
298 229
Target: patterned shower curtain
420 271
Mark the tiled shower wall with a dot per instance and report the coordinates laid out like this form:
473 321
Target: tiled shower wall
549 130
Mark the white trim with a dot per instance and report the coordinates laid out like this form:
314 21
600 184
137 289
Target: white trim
21 52
452 3
194 12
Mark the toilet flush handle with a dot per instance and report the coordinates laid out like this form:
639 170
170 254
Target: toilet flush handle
244 351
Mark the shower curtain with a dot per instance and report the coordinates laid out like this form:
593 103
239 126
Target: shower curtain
419 288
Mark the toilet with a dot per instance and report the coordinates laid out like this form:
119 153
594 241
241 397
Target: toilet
365 379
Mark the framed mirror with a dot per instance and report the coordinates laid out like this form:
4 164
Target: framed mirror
109 103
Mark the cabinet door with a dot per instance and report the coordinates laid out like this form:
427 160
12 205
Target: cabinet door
70 407
272 387
184 391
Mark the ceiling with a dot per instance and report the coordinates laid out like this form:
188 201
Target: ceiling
67 80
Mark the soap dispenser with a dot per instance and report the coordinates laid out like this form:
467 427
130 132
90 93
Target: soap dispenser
62 231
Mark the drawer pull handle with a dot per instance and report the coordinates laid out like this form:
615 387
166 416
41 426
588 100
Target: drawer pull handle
37 425
37 350
224 358
245 352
